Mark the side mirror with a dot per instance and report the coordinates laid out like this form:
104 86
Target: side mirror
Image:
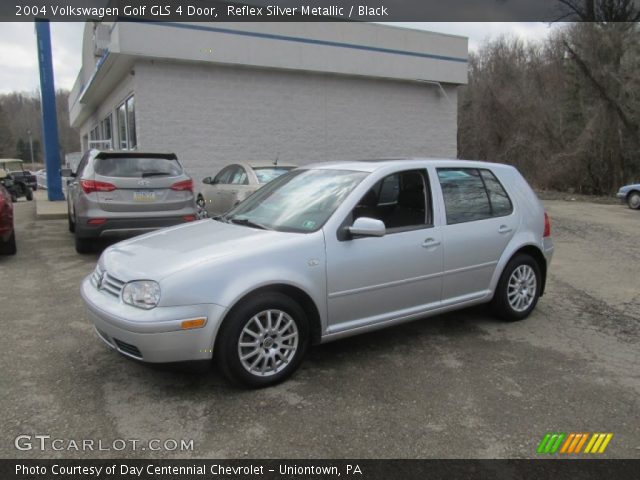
66 172
368 227
206 180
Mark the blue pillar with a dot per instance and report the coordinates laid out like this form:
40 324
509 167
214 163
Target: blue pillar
49 119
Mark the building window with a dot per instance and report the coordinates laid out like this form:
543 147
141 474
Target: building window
106 126
127 125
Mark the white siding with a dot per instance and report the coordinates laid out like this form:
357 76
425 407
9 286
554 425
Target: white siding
213 115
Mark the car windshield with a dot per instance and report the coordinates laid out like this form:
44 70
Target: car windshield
266 174
132 167
299 201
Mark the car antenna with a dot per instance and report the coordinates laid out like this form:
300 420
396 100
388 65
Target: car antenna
275 162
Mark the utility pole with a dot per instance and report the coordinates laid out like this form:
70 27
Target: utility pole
49 119
30 134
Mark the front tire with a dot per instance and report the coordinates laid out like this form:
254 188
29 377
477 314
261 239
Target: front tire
263 340
633 200
518 290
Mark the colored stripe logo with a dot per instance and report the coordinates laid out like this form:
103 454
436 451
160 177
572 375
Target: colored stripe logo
573 443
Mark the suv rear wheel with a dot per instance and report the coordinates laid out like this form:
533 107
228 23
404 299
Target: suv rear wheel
263 340
518 290
83 245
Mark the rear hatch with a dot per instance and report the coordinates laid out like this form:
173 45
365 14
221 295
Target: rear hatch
133 182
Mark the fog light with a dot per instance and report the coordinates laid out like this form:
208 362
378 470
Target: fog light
193 323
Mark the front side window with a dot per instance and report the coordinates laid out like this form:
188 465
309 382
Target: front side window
299 201
224 176
398 200
471 194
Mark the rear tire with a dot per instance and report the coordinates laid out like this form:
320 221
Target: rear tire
263 340
518 290
9 247
28 193
83 245
72 224
633 200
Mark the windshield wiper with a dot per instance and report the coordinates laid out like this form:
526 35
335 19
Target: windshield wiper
155 174
248 223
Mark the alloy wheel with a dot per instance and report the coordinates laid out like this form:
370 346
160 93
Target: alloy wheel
268 342
521 290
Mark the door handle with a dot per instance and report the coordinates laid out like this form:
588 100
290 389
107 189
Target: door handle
504 229
430 243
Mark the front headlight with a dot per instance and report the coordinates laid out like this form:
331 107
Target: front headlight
142 294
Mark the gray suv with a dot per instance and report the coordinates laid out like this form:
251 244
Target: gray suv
126 193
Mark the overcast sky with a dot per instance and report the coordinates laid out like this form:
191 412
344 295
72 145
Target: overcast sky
19 67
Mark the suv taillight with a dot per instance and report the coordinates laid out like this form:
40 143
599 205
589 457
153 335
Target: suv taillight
547 226
184 185
89 186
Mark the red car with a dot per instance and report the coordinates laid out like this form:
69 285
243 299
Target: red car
7 233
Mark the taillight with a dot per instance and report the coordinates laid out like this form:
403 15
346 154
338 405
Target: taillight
184 185
547 226
89 186
96 221
189 218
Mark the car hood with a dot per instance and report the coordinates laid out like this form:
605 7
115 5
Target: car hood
159 254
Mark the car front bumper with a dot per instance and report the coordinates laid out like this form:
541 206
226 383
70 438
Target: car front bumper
622 196
155 335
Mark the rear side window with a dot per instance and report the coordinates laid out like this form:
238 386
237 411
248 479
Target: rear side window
471 194
500 201
132 167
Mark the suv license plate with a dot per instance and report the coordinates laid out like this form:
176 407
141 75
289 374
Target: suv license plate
144 196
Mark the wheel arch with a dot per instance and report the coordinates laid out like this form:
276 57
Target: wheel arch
295 293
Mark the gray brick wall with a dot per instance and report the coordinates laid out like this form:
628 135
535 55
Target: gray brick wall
214 115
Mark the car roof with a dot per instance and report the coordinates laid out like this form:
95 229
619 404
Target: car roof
372 165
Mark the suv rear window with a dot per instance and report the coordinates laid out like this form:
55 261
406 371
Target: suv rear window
132 167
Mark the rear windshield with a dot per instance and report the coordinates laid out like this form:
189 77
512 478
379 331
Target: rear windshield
266 174
137 167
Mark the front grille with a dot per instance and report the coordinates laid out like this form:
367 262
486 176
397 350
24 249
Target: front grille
108 283
128 348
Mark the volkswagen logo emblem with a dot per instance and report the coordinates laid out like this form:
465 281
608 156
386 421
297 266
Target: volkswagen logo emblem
144 183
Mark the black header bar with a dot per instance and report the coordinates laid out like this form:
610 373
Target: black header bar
318 10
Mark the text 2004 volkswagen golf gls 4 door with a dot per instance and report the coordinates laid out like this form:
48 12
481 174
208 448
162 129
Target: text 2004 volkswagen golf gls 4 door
324 252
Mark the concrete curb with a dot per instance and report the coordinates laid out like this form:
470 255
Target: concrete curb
46 210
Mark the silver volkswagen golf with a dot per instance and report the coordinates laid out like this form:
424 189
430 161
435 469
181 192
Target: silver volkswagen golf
324 252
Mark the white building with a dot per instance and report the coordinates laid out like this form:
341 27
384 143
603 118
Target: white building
216 93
